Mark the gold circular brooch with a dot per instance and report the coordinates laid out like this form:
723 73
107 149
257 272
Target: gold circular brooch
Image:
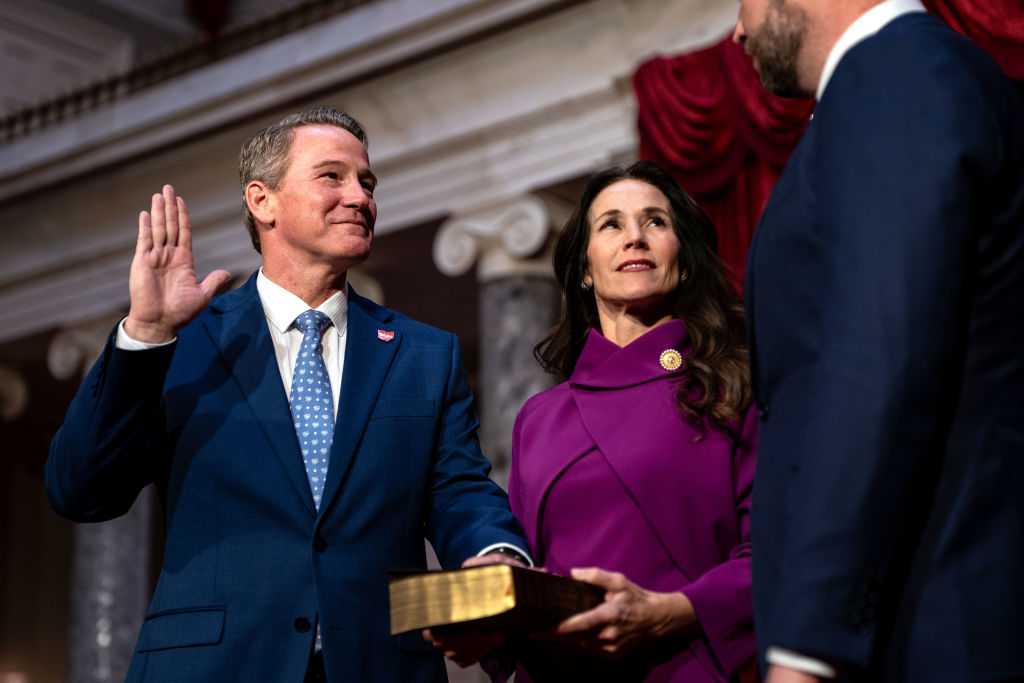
671 360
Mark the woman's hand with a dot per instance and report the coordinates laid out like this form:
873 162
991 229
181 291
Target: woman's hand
630 617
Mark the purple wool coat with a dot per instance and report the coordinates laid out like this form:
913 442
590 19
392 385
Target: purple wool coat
607 472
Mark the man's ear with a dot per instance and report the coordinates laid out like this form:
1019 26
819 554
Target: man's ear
261 201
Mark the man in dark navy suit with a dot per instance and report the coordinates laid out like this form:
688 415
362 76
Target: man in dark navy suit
303 439
885 297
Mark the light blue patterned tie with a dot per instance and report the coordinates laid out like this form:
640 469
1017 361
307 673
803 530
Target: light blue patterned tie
312 402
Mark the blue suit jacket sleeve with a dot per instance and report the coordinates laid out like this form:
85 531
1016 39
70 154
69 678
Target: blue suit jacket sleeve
113 440
913 143
468 511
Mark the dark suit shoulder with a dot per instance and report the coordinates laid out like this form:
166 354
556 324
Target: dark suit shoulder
917 52
242 295
220 305
918 90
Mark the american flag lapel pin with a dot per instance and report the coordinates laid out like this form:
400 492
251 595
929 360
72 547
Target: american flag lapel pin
385 335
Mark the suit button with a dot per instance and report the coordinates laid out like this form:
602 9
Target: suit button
319 544
302 625
763 413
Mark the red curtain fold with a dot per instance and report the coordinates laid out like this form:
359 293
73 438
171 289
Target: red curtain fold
704 117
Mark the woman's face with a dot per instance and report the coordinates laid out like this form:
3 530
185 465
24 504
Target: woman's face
633 254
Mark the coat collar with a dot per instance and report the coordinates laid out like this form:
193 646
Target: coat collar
282 307
604 365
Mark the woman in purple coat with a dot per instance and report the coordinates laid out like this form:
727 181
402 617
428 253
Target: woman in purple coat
635 472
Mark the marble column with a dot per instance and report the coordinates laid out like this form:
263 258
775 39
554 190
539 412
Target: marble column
112 560
109 592
509 243
516 312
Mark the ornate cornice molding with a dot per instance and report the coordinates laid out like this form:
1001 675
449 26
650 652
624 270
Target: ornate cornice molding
477 126
347 48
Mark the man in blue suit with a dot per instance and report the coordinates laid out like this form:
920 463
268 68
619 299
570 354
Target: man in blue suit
303 439
885 297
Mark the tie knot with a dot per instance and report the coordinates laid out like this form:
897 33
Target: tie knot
312 321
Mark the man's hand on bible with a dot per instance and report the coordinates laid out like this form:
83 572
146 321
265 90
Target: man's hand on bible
466 648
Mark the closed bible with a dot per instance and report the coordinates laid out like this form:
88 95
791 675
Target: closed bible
495 597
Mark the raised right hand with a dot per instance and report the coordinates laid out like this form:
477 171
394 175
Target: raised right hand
164 290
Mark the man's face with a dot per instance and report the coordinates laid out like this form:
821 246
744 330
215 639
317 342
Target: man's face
773 33
324 210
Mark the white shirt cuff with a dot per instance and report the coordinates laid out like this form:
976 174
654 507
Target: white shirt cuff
126 343
797 662
490 548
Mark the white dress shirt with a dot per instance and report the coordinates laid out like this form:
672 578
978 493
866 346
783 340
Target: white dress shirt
865 26
281 308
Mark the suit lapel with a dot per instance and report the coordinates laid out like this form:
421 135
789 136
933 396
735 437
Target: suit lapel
238 328
367 361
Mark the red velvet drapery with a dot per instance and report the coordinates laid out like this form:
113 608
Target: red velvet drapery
704 117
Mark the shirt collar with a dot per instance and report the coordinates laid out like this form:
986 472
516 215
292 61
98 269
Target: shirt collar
866 25
282 307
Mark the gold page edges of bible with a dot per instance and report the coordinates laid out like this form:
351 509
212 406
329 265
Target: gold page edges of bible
496 597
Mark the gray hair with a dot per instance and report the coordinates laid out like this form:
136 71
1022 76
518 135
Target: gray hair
264 156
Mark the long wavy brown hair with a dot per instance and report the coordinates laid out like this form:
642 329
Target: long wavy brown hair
716 385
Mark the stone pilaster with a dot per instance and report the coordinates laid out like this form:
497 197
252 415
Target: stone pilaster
112 560
509 243
519 301
109 592
516 311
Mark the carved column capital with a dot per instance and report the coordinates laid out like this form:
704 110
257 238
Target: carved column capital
503 239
